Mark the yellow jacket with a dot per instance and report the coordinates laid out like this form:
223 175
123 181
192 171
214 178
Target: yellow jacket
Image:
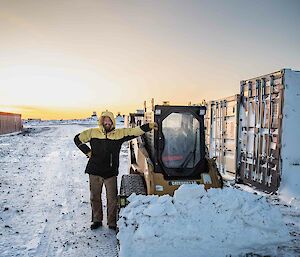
106 146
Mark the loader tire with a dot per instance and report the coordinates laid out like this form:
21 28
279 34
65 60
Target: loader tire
132 183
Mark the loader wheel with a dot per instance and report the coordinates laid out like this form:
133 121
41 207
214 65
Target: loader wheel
132 183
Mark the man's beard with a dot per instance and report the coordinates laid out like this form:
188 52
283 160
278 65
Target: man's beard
107 128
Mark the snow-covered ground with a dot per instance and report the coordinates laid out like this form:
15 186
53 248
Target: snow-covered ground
228 222
42 123
45 210
44 200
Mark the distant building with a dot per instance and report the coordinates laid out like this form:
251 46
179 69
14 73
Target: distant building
10 122
33 119
120 118
94 116
140 111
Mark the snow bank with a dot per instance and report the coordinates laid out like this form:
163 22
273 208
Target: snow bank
199 223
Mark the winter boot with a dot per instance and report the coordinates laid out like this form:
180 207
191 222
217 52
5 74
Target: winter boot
96 225
112 227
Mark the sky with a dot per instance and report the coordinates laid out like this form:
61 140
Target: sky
65 59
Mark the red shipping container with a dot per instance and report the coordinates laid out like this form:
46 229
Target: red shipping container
10 122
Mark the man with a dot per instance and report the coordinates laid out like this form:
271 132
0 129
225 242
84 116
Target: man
103 163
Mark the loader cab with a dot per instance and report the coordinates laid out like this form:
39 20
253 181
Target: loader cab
179 143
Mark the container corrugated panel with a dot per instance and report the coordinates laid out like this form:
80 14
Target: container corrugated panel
221 134
10 122
265 125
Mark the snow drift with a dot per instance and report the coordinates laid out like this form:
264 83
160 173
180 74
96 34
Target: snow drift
199 223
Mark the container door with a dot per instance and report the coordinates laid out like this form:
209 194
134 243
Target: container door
259 135
223 135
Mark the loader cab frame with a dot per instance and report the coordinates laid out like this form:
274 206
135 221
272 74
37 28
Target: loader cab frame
179 143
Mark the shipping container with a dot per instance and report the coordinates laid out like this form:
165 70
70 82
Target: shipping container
269 120
10 122
221 124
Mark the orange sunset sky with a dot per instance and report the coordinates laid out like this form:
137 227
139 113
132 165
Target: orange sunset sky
66 59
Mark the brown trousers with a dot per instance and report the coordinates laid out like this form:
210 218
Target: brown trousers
96 184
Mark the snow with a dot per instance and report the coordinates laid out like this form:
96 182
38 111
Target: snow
290 186
199 223
45 209
35 123
44 196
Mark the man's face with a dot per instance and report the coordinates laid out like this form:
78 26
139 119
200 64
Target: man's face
107 123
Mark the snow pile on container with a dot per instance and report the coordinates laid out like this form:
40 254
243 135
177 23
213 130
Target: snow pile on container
199 223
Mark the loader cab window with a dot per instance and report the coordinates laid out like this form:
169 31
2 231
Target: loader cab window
181 132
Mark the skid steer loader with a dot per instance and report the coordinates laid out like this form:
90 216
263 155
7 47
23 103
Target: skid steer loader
160 161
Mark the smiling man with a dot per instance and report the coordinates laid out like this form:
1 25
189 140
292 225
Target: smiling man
103 163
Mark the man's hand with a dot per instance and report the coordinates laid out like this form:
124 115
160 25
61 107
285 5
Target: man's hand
89 154
153 125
